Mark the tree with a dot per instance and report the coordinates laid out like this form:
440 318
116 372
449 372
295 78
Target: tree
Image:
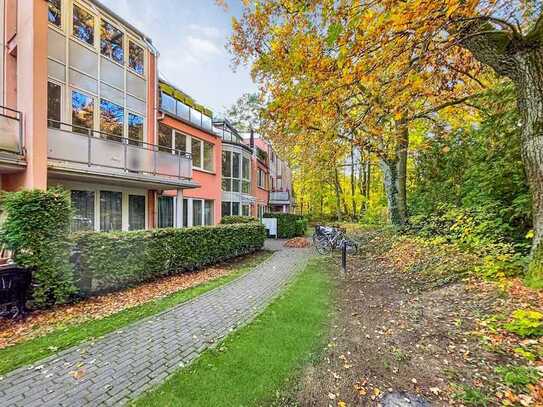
245 113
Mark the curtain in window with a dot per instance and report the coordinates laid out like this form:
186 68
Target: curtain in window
165 212
136 212
83 205
111 204
235 208
225 209
197 213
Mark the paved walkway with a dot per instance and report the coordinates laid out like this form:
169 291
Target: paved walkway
125 363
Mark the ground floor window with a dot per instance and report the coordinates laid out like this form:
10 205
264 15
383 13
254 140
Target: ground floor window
136 212
185 213
197 212
261 211
245 210
200 212
209 208
165 212
226 209
111 209
83 206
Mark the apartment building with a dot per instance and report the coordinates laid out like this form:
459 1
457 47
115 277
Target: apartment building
83 107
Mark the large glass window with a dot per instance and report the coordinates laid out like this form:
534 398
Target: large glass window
111 119
235 165
226 164
165 212
180 142
226 209
135 129
196 153
164 137
246 175
185 213
83 25
83 206
136 58
82 112
208 212
197 212
136 212
55 12
111 42
245 209
54 93
235 208
208 157
111 204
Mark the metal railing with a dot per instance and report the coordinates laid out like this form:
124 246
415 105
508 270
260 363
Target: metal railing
279 196
11 130
98 149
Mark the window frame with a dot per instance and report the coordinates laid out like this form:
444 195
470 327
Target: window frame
61 14
130 41
123 42
95 17
62 101
112 136
94 109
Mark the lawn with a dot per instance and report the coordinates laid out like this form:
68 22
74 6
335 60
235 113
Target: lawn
255 363
41 347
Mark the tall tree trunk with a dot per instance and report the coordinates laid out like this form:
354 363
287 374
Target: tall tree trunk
520 58
390 183
353 184
402 148
338 194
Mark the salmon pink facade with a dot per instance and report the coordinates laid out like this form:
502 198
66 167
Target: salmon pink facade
83 108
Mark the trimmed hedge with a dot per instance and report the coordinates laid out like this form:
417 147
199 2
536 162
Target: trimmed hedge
108 261
37 230
288 225
230 220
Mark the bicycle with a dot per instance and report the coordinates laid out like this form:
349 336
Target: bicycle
327 239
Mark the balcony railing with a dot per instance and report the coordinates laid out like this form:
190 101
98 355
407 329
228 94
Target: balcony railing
11 130
279 197
77 145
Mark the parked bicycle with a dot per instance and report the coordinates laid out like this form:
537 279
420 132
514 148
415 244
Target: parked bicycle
326 239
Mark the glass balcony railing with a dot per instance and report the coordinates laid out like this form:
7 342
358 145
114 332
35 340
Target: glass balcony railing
176 108
279 197
71 144
11 130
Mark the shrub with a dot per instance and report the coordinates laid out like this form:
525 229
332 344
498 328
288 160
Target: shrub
37 229
288 225
108 261
518 377
230 220
526 323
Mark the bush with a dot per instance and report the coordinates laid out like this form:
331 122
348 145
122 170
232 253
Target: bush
37 229
288 224
108 261
230 220
526 323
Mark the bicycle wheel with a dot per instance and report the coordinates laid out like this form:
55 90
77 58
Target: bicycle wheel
322 244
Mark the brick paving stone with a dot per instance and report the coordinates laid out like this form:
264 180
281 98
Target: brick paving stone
123 364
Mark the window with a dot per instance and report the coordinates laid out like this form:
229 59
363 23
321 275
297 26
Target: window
209 207
227 184
135 129
197 212
235 208
82 112
111 42
245 210
111 120
111 204
196 153
54 93
136 212
208 157
261 178
164 138
55 12
235 165
83 25
226 209
226 164
136 58
83 206
180 142
246 175
185 213
165 212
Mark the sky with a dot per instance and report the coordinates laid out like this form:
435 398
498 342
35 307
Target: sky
191 36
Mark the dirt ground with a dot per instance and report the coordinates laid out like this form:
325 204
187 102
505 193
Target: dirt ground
408 331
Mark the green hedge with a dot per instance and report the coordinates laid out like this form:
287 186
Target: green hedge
230 220
37 229
288 225
108 261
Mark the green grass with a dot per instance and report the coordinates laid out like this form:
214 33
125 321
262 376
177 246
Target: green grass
255 364
33 350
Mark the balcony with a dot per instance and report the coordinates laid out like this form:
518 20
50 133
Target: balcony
82 153
280 198
11 141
